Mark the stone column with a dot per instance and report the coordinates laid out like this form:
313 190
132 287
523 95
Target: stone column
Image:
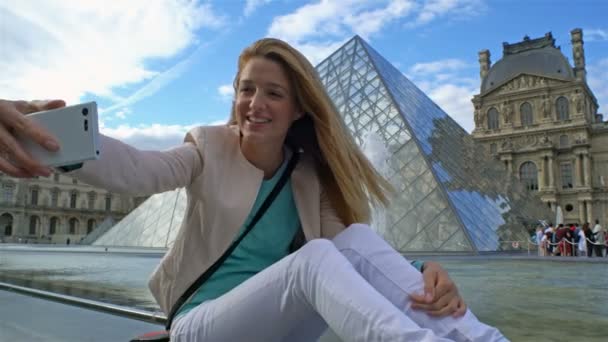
586 167
590 218
581 211
541 174
551 173
577 171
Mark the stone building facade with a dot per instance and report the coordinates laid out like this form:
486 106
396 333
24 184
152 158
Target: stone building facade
53 209
536 113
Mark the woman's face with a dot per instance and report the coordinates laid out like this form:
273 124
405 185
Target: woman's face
265 107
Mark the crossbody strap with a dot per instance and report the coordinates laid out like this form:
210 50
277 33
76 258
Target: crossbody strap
207 274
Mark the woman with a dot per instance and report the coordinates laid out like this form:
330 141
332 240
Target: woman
355 282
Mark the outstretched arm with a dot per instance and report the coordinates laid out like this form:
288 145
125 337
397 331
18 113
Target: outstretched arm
124 169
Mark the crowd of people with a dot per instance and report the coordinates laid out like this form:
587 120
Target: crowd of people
572 240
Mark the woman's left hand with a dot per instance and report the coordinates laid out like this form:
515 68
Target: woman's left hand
441 297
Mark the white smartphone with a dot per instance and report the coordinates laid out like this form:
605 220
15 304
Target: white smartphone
75 128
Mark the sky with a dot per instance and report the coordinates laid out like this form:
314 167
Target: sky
157 68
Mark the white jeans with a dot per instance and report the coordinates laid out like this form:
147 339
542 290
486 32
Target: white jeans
357 284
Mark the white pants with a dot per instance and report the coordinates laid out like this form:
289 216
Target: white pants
357 284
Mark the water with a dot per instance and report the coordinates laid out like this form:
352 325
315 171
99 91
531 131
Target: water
528 300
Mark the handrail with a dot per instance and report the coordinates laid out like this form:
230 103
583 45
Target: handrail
141 315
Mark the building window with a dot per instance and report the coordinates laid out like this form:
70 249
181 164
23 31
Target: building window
108 202
73 198
33 224
563 140
527 118
493 149
566 171
54 197
53 226
528 175
56 177
74 181
562 108
90 225
7 192
6 224
492 118
73 225
92 197
34 197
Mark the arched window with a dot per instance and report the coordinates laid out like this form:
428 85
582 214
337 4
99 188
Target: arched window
562 108
492 118
527 118
6 223
90 225
529 175
34 224
73 225
53 226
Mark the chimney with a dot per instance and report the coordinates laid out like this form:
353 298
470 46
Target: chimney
484 63
578 54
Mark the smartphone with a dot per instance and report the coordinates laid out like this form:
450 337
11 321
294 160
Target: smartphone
75 128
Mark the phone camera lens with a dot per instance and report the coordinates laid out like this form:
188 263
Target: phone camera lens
85 111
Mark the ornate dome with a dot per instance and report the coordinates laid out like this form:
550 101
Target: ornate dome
547 61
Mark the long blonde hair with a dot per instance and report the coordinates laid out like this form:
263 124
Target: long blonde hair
347 176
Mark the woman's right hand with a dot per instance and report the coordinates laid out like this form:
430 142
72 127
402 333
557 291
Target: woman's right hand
14 160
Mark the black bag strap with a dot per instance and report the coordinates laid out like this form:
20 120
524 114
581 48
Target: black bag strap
267 202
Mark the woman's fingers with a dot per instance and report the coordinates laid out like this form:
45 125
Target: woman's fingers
438 304
448 309
461 309
12 153
13 118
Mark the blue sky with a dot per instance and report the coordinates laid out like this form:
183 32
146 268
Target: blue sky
156 68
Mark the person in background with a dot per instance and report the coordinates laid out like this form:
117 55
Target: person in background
590 239
582 243
600 239
539 238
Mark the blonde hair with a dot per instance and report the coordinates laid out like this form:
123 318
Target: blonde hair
348 178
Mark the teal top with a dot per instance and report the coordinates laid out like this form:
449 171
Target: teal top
266 243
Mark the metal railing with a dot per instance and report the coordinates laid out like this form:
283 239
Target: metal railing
141 315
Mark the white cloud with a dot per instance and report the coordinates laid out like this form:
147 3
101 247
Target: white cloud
446 83
456 101
450 64
433 9
591 35
153 136
318 29
66 49
597 78
226 92
252 5
122 114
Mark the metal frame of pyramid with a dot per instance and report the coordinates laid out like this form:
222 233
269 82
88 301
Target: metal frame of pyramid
450 198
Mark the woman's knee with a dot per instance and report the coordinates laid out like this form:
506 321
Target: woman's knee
355 234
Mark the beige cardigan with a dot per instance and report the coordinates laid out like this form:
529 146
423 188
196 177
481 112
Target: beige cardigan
221 186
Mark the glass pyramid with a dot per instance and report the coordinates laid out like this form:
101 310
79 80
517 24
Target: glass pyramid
154 223
449 197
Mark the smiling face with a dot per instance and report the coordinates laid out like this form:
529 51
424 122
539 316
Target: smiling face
265 104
